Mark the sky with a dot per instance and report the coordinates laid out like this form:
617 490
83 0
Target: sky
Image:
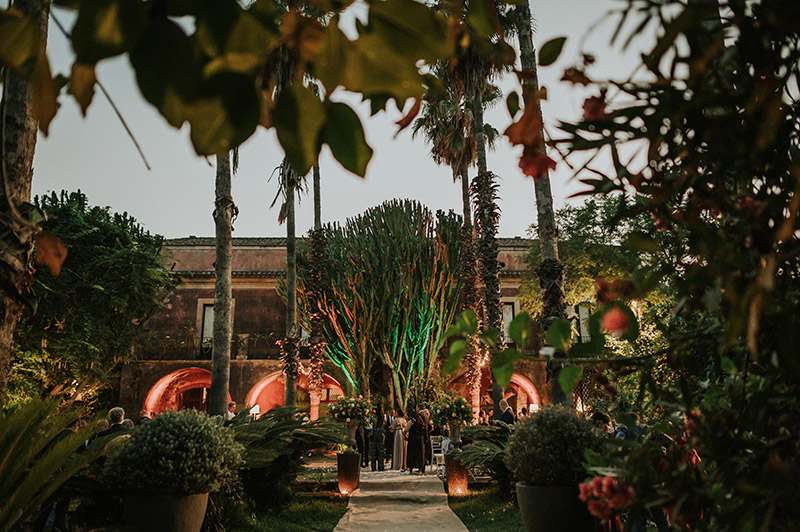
175 198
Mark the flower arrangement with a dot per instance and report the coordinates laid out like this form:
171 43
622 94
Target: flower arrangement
423 393
451 410
603 495
547 449
349 409
177 453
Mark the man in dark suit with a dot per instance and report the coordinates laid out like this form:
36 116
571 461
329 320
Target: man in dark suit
508 415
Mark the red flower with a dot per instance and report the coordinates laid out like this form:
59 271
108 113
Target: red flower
594 107
535 163
616 321
750 207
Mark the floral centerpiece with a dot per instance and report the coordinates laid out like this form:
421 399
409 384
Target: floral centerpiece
351 410
452 411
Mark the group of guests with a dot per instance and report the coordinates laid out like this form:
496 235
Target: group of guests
396 440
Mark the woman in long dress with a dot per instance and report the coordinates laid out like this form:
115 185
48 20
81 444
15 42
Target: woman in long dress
415 452
399 449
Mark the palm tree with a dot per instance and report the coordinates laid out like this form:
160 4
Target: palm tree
550 270
318 266
475 70
18 136
447 123
224 213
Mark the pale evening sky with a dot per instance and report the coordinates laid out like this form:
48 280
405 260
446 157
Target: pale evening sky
176 197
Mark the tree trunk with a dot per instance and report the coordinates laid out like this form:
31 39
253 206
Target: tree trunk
221 349
470 297
550 270
18 147
318 276
290 346
486 218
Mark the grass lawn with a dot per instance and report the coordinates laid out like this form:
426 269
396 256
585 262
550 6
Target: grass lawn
487 511
317 514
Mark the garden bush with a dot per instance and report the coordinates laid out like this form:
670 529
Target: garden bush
548 448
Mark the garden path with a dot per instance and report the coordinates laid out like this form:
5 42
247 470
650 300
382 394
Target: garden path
390 500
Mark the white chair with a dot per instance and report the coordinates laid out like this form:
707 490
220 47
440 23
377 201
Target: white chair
437 455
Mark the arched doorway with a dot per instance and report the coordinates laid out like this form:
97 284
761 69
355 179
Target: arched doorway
184 388
520 393
268 392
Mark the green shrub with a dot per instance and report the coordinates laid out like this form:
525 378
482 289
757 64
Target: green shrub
181 452
487 448
547 449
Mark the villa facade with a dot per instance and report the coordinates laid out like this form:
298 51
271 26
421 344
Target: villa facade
173 368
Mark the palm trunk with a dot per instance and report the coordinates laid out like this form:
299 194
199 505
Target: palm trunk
290 346
18 147
221 349
470 297
550 270
318 267
486 218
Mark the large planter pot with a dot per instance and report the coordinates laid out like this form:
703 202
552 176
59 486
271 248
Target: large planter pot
456 474
349 471
553 509
165 513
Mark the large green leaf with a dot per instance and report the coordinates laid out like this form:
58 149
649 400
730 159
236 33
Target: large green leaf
299 117
503 365
551 50
224 27
559 334
344 134
106 28
19 41
520 330
167 70
383 60
569 378
457 351
224 115
480 17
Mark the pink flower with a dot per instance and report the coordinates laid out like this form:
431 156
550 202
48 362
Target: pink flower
615 321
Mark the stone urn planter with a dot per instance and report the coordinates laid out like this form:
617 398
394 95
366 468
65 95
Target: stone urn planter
165 513
553 509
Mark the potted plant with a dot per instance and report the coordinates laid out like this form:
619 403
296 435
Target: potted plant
545 454
351 411
167 468
452 412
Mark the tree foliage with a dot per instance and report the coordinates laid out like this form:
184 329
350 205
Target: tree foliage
219 76
717 117
392 289
592 245
92 314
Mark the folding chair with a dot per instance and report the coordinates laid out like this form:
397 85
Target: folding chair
437 456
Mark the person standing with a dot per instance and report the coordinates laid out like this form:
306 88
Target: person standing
399 447
231 413
415 451
508 415
376 441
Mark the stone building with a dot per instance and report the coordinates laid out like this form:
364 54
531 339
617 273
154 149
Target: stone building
172 368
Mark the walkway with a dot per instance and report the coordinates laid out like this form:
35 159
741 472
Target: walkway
390 500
